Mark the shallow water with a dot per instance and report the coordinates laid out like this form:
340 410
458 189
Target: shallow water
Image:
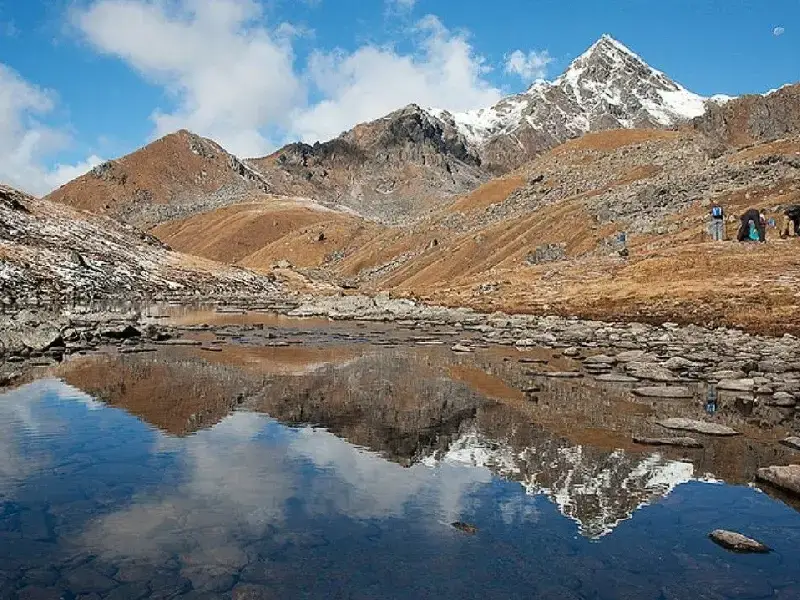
337 471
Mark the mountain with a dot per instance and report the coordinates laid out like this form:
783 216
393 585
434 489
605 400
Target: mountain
53 252
399 168
390 170
607 87
176 176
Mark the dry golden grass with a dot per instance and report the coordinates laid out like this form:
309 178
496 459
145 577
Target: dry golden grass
489 193
613 139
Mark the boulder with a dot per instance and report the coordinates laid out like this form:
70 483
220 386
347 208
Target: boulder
663 392
462 349
781 400
736 385
792 442
630 356
786 478
677 363
704 427
737 542
651 371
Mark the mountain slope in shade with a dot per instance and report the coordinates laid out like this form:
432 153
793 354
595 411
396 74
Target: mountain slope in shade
390 170
176 176
608 87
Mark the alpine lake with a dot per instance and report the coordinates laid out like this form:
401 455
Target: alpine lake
268 457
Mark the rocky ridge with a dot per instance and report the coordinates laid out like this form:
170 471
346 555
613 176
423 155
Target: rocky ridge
390 170
50 253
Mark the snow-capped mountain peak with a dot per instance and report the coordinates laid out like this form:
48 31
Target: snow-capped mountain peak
607 87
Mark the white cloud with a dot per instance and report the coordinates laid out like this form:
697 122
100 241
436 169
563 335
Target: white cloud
530 66
26 142
234 77
373 81
778 31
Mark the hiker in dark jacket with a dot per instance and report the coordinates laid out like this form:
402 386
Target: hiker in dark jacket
753 228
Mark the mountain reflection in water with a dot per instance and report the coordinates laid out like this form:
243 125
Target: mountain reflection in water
336 472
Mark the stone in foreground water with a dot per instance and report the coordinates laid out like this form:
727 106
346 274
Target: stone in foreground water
737 542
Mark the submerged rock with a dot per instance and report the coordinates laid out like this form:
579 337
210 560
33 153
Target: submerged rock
697 426
663 392
680 442
787 478
465 527
737 542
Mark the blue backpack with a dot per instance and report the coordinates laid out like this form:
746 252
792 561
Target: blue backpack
716 212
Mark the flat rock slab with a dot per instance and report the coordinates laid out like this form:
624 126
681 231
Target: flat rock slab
652 371
180 343
792 442
737 542
680 442
600 360
663 392
787 478
697 426
137 350
737 385
616 378
561 374
461 349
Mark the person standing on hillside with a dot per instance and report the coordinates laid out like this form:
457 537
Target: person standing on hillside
717 223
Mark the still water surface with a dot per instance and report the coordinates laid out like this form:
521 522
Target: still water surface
117 499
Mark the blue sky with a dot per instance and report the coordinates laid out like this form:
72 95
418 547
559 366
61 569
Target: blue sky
86 80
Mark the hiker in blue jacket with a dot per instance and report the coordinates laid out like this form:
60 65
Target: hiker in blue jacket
717 223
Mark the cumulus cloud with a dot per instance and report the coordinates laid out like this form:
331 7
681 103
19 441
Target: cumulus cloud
528 66
372 81
26 142
778 31
234 78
